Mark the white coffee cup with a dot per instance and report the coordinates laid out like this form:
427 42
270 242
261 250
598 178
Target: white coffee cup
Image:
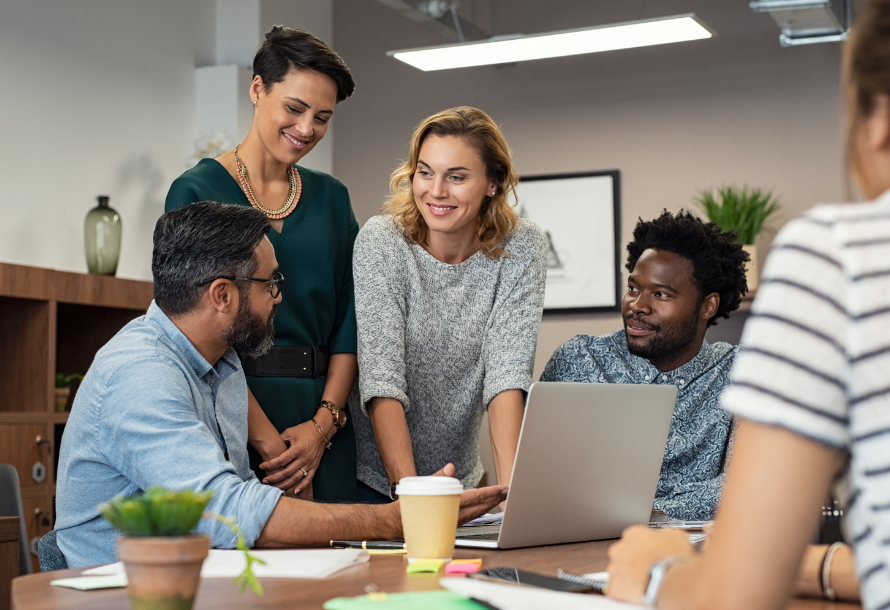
430 507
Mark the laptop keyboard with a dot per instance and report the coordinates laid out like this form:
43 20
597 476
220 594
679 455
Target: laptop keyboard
493 536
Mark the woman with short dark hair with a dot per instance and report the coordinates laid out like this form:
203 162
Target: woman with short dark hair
297 392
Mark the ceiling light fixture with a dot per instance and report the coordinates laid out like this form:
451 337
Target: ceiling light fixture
808 21
510 49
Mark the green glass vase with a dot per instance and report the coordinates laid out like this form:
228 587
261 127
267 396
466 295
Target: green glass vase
102 238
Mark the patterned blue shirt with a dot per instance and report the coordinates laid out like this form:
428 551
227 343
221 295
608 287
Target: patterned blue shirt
152 411
691 479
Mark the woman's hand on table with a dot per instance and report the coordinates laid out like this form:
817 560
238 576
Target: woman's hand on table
631 559
292 471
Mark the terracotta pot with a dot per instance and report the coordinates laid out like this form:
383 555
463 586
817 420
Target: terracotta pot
751 271
62 395
163 573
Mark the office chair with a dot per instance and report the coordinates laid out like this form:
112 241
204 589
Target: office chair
11 506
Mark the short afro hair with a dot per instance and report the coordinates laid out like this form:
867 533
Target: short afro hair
718 260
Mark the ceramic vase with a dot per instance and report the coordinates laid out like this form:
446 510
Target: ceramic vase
102 238
163 573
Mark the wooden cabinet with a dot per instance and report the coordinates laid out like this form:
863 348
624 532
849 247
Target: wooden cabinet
25 446
9 558
50 321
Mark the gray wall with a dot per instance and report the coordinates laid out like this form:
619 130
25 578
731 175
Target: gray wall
673 119
98 97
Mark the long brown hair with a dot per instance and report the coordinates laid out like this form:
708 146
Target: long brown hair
497 218
866 72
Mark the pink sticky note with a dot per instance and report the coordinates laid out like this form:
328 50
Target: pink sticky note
461 568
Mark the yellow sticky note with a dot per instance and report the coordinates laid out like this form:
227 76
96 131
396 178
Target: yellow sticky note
425 565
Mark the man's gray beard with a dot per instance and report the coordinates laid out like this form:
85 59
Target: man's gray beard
250 335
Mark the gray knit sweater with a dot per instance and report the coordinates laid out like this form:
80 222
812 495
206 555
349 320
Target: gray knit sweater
443 340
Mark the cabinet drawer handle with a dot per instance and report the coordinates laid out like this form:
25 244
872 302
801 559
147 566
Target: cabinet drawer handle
42 513
44 441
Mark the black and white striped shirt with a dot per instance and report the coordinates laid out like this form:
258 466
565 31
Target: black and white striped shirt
817 361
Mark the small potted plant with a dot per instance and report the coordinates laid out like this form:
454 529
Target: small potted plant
63 389
161 554
745 211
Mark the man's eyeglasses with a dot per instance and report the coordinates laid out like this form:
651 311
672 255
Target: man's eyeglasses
277 281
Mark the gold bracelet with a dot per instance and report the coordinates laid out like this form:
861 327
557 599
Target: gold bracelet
321 432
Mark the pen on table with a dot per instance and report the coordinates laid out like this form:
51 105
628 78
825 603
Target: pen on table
368 545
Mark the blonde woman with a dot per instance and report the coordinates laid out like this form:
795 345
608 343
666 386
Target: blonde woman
449 287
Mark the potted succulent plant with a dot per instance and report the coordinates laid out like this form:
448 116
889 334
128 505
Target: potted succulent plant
161 554
745 211
63 389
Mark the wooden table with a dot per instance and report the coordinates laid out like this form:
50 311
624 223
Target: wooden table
386 572
10 563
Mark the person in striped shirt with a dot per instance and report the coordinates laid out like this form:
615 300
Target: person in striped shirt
811 391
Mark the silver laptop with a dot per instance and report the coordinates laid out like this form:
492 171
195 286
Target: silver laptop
587 464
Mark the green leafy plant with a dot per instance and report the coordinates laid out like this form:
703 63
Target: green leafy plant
64 381
247 578
743 210
162 512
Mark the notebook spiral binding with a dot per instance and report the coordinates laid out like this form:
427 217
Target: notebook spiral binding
598 585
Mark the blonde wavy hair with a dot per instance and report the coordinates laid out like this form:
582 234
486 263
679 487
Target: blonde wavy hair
497 218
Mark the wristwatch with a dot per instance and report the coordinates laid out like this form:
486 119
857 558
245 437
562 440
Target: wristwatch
656 578
392 491
337 413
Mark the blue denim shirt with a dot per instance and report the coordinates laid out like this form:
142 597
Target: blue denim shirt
691 480
152 411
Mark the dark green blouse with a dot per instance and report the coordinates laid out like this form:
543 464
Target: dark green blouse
314 252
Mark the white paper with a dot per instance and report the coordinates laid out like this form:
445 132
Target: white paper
510 597
109 569
314 563
488 519
601 576
311 563
88 583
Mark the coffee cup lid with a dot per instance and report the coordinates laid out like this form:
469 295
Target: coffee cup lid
429 486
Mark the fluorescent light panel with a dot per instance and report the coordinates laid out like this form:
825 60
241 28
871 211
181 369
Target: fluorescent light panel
646 33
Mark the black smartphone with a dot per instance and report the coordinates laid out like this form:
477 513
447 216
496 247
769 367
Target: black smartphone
533 579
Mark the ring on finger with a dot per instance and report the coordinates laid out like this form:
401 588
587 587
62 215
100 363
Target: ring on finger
305 473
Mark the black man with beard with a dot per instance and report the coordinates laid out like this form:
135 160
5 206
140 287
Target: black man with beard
684 275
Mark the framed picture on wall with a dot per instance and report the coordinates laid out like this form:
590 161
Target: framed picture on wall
580 214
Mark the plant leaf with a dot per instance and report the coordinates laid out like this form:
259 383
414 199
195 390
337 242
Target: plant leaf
247 578
743 210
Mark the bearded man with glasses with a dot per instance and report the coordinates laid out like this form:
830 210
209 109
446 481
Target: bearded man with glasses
165 401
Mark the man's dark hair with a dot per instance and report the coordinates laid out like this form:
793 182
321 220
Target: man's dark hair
201 241
286 49
718 260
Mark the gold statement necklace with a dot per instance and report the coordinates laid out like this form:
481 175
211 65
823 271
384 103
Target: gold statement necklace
293 195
